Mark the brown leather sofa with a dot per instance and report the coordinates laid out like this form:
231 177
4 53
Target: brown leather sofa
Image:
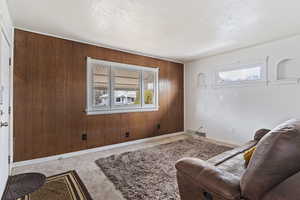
273 172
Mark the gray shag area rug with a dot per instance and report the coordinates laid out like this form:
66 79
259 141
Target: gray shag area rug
150 174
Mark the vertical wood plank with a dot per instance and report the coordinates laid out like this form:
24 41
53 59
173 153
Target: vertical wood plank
77 123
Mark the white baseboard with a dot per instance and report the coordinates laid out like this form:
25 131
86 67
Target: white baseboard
222 142
77 153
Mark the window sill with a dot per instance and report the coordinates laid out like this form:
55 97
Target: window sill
285 82
241 84
124 110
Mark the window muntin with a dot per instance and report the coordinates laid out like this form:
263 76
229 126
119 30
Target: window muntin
116 87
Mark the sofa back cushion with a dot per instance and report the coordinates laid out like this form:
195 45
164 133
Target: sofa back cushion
276 158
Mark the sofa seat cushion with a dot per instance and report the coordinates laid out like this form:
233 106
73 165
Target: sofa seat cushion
235 165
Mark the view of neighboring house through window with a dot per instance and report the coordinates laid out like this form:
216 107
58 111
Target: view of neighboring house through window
126 87
115 87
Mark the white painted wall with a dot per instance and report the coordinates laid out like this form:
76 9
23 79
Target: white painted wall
233 114
7 31
5 19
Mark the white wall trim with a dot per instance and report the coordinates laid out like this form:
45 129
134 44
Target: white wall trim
121 110
11 128
77 153
101 45
222 142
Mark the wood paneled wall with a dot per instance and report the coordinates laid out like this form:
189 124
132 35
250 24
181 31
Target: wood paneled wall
50 98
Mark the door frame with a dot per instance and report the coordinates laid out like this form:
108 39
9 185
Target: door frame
4 32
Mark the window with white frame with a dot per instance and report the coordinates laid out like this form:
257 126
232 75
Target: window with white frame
116 87
243 74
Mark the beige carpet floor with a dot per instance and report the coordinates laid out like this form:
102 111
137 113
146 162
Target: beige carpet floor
150 173
98 185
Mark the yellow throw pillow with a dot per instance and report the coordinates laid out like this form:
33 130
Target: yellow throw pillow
248 154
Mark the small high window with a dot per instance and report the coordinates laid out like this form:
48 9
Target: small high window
242 74
116 87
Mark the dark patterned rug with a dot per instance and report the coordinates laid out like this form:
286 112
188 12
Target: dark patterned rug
65 186
149 174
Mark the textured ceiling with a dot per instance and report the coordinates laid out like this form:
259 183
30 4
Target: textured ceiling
176 29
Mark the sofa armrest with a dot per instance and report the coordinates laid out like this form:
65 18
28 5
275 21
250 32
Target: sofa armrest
260 133
210 178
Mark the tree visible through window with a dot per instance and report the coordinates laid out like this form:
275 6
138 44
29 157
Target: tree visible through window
248 74
149 78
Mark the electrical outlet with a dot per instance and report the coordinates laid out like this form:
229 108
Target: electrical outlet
158 126
84 136
127 134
